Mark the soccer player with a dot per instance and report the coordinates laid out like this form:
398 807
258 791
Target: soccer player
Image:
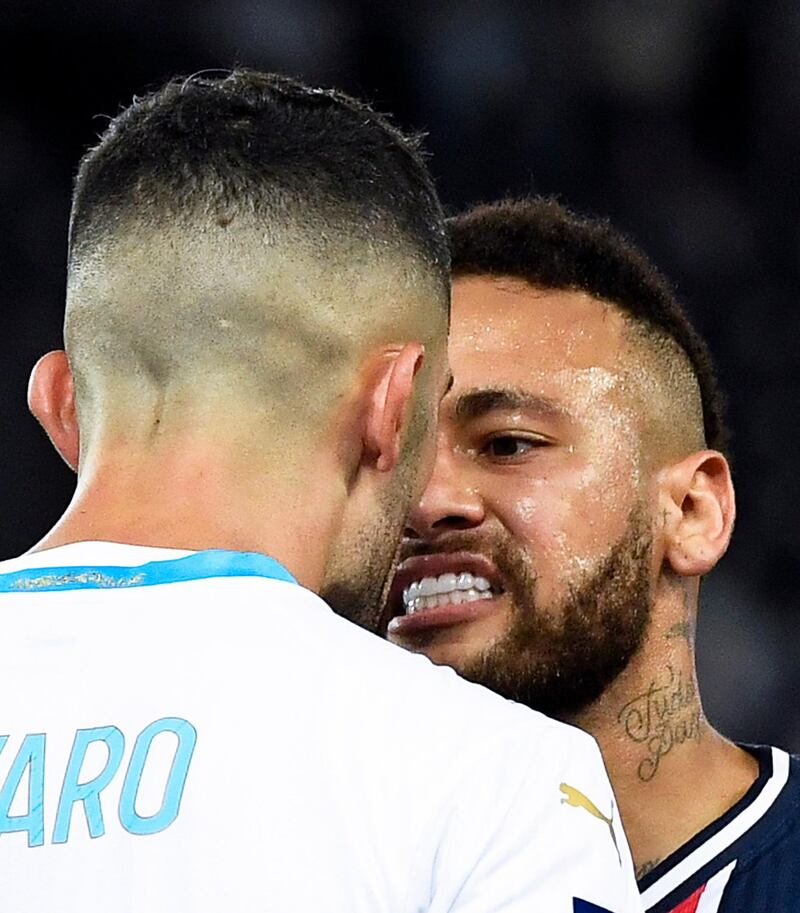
580 494
257 300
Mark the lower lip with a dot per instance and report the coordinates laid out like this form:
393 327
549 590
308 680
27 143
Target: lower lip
441 616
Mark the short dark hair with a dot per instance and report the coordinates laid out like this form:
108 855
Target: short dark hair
259 143
542 242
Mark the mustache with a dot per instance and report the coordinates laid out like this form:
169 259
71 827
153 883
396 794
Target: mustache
511 562
411 547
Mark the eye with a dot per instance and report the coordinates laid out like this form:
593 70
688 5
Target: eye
508 446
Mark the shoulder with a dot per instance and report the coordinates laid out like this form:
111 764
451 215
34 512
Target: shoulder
385 702
412 686
538 809
749 858
764 872
774 815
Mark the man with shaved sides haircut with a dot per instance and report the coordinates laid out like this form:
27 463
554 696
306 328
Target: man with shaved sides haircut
580 494
257 304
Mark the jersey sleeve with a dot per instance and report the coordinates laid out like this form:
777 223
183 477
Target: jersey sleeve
535 827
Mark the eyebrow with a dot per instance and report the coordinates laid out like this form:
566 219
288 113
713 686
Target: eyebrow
479 401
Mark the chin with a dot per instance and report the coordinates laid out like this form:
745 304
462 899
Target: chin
454 655
446 648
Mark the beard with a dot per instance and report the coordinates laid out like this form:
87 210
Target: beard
559 659
365 555
362 563
357 578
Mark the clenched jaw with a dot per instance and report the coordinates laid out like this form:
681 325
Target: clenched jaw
442 589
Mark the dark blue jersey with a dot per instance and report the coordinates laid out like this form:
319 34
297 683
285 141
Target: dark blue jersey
747 861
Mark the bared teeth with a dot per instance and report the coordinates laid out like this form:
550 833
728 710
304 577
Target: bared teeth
444 590
427 586
446 583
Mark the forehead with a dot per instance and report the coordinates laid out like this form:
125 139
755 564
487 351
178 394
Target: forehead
514 331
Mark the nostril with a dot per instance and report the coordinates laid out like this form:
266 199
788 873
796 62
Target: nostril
453 521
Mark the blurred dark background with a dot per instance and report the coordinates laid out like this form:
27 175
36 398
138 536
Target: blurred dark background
679 120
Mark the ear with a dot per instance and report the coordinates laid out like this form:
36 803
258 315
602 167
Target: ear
390 394
699 509
51 398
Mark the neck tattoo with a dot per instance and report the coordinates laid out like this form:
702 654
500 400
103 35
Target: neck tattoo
666 714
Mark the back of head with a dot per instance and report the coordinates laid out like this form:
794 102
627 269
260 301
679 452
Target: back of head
545 244
246 237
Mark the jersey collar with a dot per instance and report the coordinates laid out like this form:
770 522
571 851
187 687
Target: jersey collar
104 565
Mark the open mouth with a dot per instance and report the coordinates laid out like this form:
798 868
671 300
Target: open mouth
441 589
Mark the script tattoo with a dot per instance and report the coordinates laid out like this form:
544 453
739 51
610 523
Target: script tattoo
660 718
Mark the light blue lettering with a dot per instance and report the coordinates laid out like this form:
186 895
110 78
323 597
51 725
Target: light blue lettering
176 781
73 791
30 756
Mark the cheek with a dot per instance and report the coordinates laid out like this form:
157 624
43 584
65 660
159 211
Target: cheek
566 521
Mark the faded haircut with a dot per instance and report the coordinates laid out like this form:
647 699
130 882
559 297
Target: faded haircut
245 219
547 245
265 145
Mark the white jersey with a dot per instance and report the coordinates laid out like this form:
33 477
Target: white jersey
196 732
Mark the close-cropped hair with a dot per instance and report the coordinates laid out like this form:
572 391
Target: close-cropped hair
545 244
244 144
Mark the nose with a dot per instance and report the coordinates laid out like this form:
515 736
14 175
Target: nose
451 501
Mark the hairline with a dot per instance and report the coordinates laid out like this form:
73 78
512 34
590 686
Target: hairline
641 338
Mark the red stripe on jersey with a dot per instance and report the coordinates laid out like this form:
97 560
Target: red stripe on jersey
690 904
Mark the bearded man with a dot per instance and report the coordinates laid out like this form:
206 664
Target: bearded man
580 494
257 304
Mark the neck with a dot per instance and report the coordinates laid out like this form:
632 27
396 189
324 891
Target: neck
196 498
672 773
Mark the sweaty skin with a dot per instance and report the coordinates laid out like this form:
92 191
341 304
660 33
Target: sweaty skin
565 479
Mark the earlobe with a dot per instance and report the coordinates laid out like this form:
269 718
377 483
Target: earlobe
51 399
699 512
390 401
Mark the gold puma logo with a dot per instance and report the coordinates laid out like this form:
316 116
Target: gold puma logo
577 799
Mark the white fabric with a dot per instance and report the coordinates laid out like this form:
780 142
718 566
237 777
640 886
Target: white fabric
332 771
711 897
